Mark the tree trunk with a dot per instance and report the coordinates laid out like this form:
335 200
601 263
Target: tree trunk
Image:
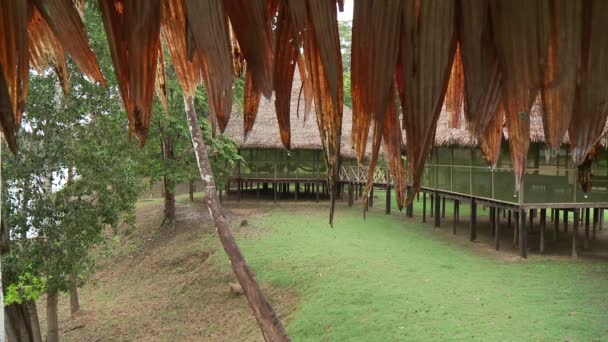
74 303
269 323
34 320
168 183
17 323
52 324
191 190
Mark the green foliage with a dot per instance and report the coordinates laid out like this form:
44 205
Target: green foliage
27 288
345 29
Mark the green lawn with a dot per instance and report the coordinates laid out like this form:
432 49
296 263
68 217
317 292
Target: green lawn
388 278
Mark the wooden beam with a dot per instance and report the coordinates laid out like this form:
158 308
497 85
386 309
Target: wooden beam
555 224
267 319
443 207
388 198
596 214
455 217
516 228
587 219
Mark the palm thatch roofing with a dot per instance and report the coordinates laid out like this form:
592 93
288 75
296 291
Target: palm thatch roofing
304 131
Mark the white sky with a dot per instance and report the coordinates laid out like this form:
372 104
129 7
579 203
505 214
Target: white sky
347 15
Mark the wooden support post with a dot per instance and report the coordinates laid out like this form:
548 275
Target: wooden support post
350 194
432 205
388 198
596 214
473 224
316 192
274 190
239 186
587 219
437 210
516 228
458 211
531 226
566 213
492 221
543 223
443 207
575 233
601 219
552 215
267 319
297 189
509 219
455 217
555 224
370 200
496 229
523 234
221 200
423 206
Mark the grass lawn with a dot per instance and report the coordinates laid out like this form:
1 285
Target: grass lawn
389 278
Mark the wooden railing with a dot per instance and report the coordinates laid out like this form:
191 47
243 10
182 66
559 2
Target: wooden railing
358 174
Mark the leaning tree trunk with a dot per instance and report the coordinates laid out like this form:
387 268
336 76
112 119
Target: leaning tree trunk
52 324
269 323
191 190
34 320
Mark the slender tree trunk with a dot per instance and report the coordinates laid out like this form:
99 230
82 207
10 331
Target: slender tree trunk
168 184
24 208
34 320
269 323
191 190
74 303
17 322
52 324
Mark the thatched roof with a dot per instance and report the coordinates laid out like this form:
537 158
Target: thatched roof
304 133
449 136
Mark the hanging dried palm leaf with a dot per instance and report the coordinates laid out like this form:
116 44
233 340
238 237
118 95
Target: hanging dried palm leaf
284 68
251 102
160 83
209 26
584 173
14 67
253 28
65 22
561 68
45 50
480 65
520 31
455 94
323 40
133 29
591 107
490 138
427 51
238 61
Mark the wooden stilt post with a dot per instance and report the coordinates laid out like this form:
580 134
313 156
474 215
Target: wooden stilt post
455 217
443 207
516 228
274 190
555 224
458 211
409 210
239 186
566 213
531 226
575 233
587 219
351 200
317 192
432 205
601 219
552 215
437 210
388 198
596 214
496 229
492 226
523 234
267 319
423 206
297 189
509 219
543 223
473 224
370 201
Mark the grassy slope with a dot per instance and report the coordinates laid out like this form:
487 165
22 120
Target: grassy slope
383 279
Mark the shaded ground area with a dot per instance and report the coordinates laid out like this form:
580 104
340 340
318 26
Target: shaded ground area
383 278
